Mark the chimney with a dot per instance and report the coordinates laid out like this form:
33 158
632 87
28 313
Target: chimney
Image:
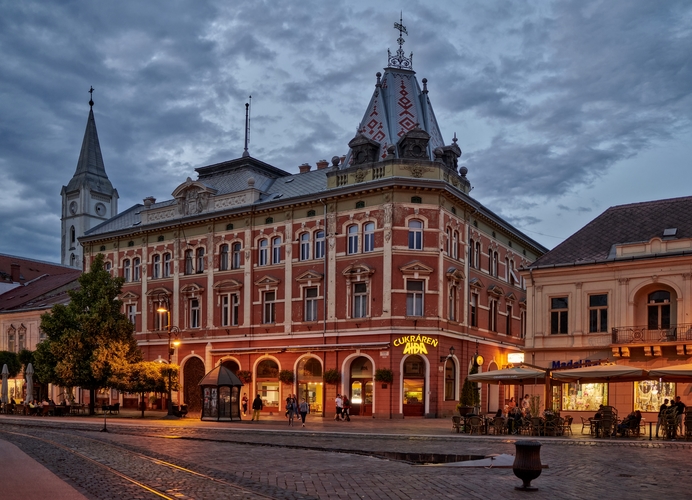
305 167
322 164
149 201
14 271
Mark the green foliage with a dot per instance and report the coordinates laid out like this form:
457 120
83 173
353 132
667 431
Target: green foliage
286 376
331 376
245 376
148 376
384 375
25 357
470 393
12 361
89 342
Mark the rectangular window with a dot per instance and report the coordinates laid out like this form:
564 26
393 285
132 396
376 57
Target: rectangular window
319 244
263 249
126 270
305 246
22 340
235 256
269 308
10 342
598 313
311 304
522 324
415 235
276 251
558 315
649 394
369 237
223 258
492 315
508 323
360 300
229 310
414 298
136 269
132 313
200 260
194 313
584 397
156 267
455 245
473 310
452 303
166 265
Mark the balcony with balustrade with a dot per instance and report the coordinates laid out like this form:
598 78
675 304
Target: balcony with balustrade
652 340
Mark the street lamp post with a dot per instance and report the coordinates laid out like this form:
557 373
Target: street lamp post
164 307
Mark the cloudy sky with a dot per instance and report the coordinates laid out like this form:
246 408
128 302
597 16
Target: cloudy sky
562 108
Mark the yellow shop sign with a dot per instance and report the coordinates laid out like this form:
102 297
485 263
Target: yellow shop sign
415 344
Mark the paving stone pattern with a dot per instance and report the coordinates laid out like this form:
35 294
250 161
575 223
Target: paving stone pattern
318 462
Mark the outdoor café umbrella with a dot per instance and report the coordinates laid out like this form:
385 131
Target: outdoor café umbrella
508 375
676 373
29 383
5 374
601 373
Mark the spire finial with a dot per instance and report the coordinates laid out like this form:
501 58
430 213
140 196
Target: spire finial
91 96
246 153
400 60
455 138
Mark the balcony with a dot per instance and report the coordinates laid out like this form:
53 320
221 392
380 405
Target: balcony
643 335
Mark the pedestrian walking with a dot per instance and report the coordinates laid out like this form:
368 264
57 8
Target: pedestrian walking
257 406
346 412
304 409
245 401
339 407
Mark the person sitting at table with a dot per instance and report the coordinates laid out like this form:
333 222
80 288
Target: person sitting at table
514 421
630 421
498 413
511 404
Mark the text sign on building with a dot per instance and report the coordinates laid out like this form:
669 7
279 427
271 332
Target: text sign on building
515 357
415 344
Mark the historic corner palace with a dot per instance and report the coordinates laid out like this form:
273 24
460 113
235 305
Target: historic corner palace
374 275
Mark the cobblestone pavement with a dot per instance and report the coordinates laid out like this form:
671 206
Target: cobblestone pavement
330 460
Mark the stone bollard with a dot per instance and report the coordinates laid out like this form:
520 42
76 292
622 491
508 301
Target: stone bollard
527 463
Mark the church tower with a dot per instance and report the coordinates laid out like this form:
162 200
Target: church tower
89 198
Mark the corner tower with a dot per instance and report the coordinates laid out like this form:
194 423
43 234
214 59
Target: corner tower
89 198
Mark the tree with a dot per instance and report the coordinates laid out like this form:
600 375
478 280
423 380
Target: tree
148 376
89 342
12 361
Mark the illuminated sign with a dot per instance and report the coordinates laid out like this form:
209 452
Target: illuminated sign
515 357
415 344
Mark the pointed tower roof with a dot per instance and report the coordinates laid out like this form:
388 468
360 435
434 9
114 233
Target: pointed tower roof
399 105
90 171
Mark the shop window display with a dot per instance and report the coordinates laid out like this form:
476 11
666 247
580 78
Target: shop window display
649 394
584 397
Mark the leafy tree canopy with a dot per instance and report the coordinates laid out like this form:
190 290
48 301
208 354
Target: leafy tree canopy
89 342
12 361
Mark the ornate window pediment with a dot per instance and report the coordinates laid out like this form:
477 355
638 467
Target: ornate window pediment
129 296
495 290
416 267
522 302
309 276
358 271
511 296
267 281
228 285
192 289
476 283
454 274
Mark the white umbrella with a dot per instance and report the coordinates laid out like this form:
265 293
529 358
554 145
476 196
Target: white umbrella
676 373
601 373
29 383
5 374
508 375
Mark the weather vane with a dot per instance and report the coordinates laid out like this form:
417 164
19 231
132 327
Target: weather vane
400 60
91 97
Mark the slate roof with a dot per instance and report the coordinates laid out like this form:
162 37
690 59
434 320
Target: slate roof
636 222
41 293
29 269
90 170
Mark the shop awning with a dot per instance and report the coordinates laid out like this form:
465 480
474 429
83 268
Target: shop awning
601 373
677 373
508 375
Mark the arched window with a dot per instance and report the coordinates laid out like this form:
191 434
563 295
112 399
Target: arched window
369 237
477 256
126 270
200 260
319 245
223 257
156 266
495 263
136 269
73 236
352 239
107 266
658 310
235 255
276 250
415 235
305 246
166 265
263 256
188 262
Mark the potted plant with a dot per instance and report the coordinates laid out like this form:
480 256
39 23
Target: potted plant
331 376
244 376
385 376
467 402
286 377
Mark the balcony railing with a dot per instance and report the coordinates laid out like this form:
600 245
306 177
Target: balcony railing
643 334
